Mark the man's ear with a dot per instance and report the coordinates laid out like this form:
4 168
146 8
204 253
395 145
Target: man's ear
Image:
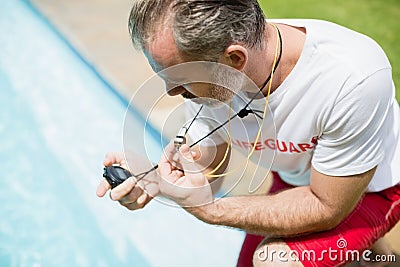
236 56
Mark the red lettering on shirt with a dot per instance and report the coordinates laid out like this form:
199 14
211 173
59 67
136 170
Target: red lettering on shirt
236 142
314 140
258 146
275 144
304 147
246 144
292 148
281 146
270 143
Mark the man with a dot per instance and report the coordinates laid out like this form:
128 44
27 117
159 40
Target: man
336 161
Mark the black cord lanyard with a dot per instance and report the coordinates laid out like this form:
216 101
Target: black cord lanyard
242 113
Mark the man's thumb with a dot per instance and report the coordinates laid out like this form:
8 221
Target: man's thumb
190 168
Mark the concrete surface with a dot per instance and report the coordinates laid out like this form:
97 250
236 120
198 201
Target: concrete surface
98 29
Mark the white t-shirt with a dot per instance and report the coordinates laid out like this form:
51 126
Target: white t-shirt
335 111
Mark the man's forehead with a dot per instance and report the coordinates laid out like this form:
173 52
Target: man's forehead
162 50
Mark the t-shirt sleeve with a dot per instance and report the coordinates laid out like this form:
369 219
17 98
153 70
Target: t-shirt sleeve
352 139
203 125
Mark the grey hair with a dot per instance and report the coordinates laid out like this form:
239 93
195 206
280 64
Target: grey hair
202 29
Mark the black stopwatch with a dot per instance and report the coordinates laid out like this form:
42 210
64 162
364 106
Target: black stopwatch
116 175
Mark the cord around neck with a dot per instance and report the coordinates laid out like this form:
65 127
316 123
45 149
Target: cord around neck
270 74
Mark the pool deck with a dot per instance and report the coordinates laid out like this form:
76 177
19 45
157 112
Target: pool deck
98 30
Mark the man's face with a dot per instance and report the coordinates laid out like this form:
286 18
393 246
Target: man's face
162 53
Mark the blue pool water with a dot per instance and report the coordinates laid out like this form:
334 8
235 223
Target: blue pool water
57 120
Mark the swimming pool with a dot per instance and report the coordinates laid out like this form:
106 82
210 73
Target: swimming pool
57 119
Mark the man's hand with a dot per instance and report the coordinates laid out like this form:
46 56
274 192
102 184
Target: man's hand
130 194
181 180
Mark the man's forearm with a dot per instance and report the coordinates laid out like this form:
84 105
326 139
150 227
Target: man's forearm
291 212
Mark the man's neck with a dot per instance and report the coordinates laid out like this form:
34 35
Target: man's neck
261 60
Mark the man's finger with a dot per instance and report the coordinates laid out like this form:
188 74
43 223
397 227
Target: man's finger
170 152
190 168
132 196
142 199
164 165
195 155
134 205
103 187
187 159
123 189
113 158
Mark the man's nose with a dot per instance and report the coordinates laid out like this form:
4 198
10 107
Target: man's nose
174 90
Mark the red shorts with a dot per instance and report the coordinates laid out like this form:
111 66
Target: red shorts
372 218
